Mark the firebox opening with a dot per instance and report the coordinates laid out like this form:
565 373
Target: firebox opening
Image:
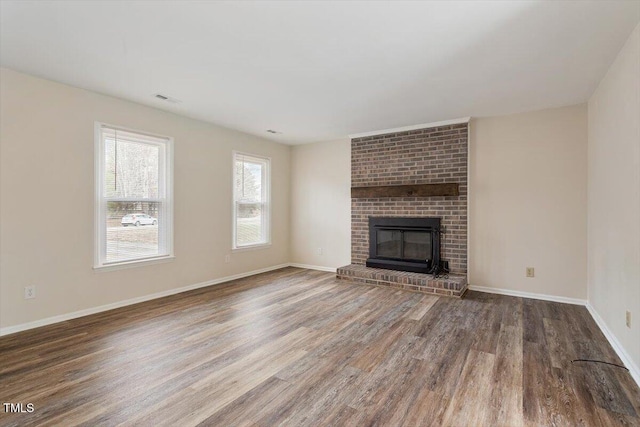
405 244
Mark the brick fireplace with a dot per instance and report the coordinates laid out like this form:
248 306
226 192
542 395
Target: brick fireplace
434 155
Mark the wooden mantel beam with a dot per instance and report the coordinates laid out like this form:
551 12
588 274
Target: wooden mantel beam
420 190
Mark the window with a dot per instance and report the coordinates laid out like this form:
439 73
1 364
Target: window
251 201
133 197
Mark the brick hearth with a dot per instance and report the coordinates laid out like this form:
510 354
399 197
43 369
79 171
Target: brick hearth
452 285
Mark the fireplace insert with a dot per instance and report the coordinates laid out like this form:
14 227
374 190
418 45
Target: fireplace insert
405 244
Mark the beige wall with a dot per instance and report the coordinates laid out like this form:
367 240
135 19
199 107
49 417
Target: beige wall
614 197
528 202
47 194
321 203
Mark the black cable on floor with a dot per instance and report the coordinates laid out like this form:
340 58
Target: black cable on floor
600 361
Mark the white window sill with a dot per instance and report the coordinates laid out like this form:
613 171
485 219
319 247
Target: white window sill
251 247
135 263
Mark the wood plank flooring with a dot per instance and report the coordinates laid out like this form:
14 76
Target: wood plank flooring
298 348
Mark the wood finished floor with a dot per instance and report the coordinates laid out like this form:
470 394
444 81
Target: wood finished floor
297 347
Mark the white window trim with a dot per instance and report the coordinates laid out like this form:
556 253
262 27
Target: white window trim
267 204
99 223
135 263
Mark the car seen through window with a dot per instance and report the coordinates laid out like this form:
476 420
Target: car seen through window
138 220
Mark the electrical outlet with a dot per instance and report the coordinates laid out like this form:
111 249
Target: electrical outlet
530 272
29 292
628 319
227 258
319 251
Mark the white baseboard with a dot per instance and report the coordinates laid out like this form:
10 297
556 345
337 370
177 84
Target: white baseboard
313 267
531 295
619 349
68 316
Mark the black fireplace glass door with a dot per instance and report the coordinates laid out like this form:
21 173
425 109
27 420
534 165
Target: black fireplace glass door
389 244
417 245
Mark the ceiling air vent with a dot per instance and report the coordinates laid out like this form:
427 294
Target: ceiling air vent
166 98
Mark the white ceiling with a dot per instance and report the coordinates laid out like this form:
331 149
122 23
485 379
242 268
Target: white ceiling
321 70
